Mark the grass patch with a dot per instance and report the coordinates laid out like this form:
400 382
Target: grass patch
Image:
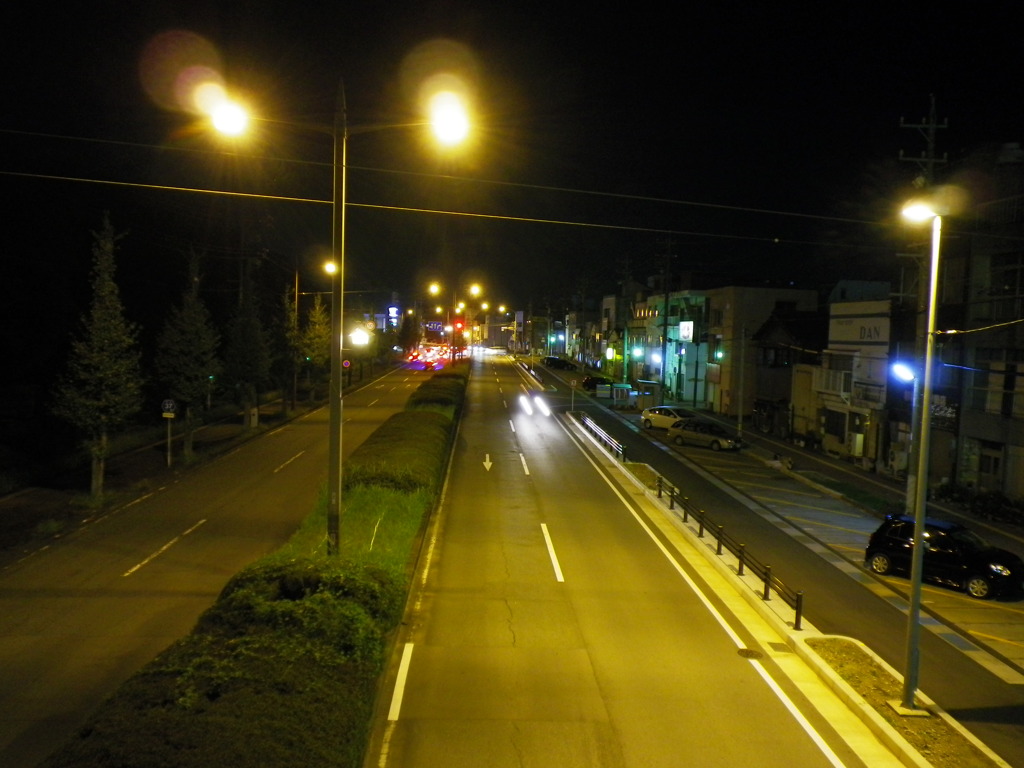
937 741
642 472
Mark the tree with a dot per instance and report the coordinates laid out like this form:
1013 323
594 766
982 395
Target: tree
409 333
289 341
186 360
102 388
247 357
316 341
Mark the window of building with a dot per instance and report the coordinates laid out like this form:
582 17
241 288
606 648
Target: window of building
835 424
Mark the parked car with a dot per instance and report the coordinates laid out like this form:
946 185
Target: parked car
706 433
556 362
954 556
591 383
663 416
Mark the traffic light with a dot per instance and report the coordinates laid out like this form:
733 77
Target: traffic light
459 324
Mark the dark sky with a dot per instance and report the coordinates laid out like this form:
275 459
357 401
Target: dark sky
737 137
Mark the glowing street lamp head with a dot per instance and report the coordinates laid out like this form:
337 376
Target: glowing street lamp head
227 116
448 118
903 372
919 212
230 118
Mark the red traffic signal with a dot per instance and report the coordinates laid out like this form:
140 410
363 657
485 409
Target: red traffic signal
459 324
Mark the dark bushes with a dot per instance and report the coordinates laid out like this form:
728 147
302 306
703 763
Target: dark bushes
406 453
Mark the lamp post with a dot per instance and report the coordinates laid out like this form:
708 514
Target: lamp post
448 118
920 212
338 198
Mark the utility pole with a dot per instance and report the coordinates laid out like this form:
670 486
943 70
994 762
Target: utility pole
927 159
743 360
919 409
664 320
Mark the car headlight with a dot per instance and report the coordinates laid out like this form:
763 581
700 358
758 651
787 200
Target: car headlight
525 402
1001 570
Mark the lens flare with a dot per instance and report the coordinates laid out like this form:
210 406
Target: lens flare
174 64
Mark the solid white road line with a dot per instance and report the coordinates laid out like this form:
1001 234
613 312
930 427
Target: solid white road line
807 726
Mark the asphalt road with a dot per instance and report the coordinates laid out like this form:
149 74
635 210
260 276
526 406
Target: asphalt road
989 706
550 628
81 615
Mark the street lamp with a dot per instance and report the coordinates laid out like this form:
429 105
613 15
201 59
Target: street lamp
920 212
448 118
459 308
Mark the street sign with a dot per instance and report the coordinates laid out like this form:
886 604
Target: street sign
168 406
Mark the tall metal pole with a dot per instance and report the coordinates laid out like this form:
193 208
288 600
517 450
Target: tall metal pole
910 676
743 384
334 480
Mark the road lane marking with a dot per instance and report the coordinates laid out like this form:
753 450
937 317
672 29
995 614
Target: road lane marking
162 549
293 458
784 699
551 553
522 458
403 674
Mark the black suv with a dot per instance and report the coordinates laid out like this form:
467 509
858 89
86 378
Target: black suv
591 383
954 555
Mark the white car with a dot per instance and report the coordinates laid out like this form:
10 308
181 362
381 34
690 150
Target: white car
697 432
663 416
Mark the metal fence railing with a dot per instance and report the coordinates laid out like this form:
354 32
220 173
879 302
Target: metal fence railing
724 542
609 442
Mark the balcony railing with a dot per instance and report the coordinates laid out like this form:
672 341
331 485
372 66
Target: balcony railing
838 383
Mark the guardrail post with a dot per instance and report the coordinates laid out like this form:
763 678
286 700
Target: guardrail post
686 511
718 535
799 609
672 497
767 583
700 530
659 484
741 555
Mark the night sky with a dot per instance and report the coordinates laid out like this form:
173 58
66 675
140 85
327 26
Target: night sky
749 141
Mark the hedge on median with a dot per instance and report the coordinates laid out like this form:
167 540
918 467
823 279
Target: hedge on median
282 670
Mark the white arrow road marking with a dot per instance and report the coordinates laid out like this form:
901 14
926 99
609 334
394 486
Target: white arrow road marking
487 462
